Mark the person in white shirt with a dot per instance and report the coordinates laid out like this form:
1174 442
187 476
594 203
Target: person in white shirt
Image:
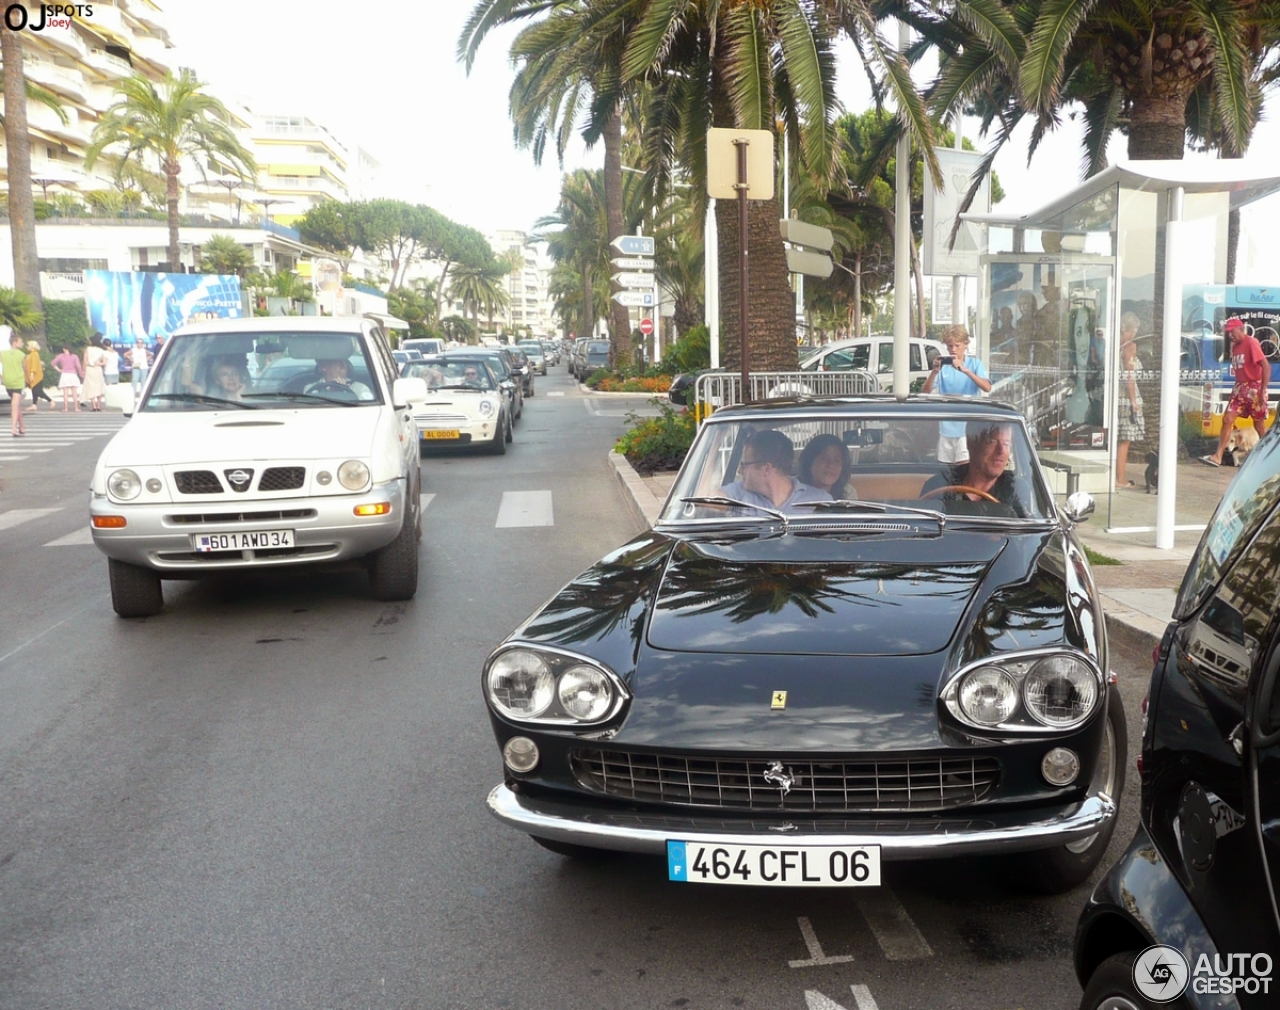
111 370
139 361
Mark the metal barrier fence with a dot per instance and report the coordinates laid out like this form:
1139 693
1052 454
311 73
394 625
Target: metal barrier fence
722 389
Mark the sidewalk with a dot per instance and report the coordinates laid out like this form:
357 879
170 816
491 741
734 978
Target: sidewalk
1137 595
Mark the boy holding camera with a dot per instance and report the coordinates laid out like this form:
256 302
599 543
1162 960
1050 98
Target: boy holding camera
956 373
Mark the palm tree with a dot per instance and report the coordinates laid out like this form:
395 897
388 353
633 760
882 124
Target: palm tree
173 121
287 284
479 287
18 310
22 209
581 242
222 254
567 75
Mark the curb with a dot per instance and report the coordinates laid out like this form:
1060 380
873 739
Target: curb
644 504
588 391
1127 630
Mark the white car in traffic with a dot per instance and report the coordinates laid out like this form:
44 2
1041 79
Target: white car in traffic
463 405
263 444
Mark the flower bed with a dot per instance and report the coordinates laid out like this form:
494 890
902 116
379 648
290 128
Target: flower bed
612 382
658 443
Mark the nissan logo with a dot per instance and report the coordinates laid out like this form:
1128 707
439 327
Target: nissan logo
239 479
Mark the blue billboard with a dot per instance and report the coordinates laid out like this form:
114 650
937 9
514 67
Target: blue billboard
125 306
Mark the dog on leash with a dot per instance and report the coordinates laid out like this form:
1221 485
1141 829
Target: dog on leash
1152 474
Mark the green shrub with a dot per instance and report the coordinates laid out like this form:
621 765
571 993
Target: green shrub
598 376
66 323
691 353
658 443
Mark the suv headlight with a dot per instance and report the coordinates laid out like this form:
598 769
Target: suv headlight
527 684
124 484
353 475
1032 692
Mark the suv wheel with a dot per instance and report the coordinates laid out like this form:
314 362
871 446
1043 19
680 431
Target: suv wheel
393 570
1052 871
135 591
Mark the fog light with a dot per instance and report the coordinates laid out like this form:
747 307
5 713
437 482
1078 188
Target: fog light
1060 767
109 522
154 485
377 509
323 477
520 754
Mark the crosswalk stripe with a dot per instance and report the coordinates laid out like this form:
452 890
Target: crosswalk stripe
11 459
525 508
16 517
894 931
84 535
424 500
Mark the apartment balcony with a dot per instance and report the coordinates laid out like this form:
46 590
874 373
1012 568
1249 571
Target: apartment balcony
67 41
144 13
66 81
111 65
42 118
108 22
154 50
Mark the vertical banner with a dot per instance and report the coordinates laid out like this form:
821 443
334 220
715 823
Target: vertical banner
940 209
125 306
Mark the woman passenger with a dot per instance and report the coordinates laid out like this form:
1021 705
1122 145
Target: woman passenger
825 464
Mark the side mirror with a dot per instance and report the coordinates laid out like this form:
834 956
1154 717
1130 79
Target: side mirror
1079 506
405 391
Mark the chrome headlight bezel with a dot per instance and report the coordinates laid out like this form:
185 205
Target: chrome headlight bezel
126 475
1018 666
351 471
558 661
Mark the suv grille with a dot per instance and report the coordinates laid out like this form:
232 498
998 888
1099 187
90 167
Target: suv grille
839 786
282 478
197 482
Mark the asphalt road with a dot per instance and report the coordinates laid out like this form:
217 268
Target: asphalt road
272 795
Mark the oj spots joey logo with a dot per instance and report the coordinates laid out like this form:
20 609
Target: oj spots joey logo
17 18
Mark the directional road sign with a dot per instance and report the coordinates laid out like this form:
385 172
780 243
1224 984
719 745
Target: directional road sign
802 261
633 245
633 280
811 236
623 263
642 299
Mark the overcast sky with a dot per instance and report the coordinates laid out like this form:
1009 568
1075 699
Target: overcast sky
384 76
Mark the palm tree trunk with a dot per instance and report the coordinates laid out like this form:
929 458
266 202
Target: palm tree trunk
857 294
619 316
588 305
171 170
22 211
771 305
919 279
1158 127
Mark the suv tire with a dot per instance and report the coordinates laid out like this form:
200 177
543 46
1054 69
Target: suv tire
135 591
393 570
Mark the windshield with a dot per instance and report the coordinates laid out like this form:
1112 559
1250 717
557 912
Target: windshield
885 463
453 373
246 371
598 347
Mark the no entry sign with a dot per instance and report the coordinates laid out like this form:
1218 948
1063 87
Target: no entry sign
646 326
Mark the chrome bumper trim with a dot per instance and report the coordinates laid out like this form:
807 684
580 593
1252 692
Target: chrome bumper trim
622 832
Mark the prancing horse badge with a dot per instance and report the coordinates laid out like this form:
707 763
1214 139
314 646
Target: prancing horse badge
779 700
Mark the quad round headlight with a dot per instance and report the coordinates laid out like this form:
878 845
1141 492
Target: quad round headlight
521 685
585 693
486 408
124 484
1060 691
988 696
353 475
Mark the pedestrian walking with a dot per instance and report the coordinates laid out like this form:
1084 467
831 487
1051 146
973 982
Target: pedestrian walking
71 371
1249 397
1131 424
960 374
33 368
139 362
12 360
111 370
95 362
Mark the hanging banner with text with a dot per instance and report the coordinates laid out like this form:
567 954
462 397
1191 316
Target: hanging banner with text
125 306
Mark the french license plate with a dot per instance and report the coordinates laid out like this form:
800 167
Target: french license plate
442 433
774 865
248 541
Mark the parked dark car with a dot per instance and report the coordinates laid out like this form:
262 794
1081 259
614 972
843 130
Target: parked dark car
522 365
791 693
594 355
577 357
1201 874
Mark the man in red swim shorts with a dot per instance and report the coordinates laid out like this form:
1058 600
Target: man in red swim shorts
1249 398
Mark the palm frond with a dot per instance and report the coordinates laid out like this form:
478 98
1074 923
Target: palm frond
1040 76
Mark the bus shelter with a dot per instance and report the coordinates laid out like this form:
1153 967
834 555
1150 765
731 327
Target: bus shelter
1122 395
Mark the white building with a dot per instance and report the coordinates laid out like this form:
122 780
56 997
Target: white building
528 286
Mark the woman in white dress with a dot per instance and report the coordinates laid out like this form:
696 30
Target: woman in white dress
95 387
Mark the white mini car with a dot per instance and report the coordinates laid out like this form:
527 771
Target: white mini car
463 406
263 443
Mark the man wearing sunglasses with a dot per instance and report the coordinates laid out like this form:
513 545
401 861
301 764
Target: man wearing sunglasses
765 475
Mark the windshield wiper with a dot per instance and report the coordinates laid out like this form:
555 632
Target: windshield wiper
200 398
735 503
309 396
857 504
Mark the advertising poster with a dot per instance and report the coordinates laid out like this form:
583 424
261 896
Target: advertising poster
125 306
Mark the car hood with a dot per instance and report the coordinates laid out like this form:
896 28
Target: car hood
167 438
810 596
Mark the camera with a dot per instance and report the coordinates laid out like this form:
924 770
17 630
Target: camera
945 359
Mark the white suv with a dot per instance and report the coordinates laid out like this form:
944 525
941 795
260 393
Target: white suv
263 443
873 354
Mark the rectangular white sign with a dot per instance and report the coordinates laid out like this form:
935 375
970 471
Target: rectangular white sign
940 209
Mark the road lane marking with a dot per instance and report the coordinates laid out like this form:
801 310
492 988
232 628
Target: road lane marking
894 931
6 458
525 508
424 500
16 517
559 392
816 956
84 535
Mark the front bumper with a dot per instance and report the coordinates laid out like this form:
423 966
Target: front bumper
470 432
919 838
158 535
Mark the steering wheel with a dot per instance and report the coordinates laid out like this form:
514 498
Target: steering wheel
965 488
332 387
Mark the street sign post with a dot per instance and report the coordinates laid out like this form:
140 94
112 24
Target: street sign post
646 326
633 280
633 245
634 299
